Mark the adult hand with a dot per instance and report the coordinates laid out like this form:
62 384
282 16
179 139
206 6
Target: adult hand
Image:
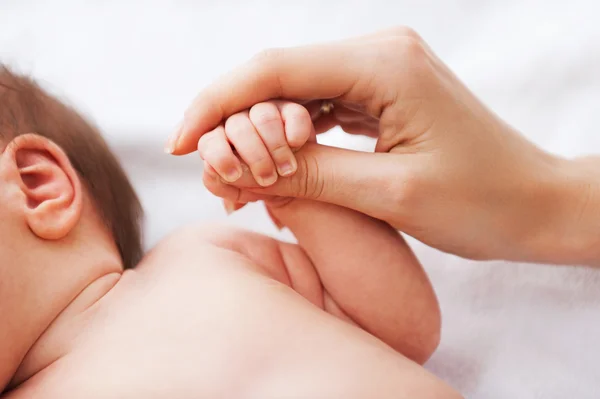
446 170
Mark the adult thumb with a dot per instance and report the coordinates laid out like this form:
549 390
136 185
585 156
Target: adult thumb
357 180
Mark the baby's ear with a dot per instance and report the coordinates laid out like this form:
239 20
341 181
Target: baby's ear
51 187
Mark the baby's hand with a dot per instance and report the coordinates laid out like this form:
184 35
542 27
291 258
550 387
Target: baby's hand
263 138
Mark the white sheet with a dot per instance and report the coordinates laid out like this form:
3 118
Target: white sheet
510 330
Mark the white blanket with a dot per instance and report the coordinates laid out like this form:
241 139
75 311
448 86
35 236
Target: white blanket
510 330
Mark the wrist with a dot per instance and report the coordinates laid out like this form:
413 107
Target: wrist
570 233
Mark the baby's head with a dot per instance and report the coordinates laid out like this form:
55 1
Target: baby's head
58 179
68 215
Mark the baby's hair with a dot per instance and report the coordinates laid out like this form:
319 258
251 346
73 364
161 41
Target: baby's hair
26 108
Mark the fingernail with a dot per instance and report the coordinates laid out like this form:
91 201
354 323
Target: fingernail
233 175
172 142
268 180
287 168
229 207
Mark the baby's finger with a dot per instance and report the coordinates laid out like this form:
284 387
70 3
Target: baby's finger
267 121
213 183
298 123
248 144
216 151
230 206
216 186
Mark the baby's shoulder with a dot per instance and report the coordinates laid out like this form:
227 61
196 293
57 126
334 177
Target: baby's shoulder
194 237
213 249
205 245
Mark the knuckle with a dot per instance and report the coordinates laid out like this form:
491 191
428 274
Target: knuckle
406 31
205 142
413 49
235 119
407 47
403 58
266 65
268 57
264 114
308 181
236 126
256 156
296 112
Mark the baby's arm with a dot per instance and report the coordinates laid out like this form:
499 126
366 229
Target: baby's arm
353 266
367 272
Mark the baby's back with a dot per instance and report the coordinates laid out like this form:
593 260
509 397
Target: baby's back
208 323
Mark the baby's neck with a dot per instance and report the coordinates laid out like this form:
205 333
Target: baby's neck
56 339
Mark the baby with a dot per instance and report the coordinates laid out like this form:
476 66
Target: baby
210 312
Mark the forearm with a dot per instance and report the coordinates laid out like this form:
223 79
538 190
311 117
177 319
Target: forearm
370 273
572 233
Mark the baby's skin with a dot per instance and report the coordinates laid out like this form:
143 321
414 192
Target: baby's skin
215 312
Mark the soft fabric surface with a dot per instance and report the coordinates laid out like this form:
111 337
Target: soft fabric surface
510 330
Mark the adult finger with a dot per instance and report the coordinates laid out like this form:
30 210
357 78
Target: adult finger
350 120
339 176
319 71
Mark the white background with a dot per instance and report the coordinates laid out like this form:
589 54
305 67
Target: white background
510 330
